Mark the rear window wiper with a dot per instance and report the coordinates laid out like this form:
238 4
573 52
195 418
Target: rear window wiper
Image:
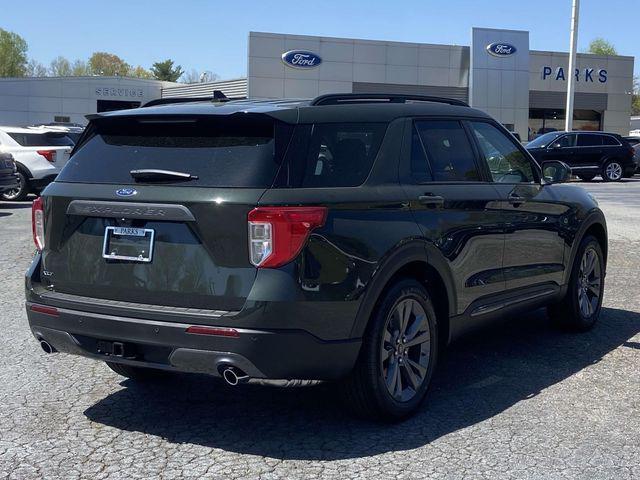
151 174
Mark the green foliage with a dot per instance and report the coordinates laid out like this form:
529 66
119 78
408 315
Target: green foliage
166 71
108 64
635 98
600 46
13 54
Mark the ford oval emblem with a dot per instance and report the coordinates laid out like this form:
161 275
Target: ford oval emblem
126 192
501 49
301 59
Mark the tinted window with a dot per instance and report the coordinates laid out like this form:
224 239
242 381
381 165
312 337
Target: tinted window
506 162
568 141
448 150
220 152
420 170
337 155
41 139
589 140
609 140
543 140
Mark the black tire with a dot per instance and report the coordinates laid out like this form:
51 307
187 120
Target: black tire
21 192
612 171
366 391
568 314
139 374
587 177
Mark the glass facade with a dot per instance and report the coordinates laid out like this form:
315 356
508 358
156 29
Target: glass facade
544 120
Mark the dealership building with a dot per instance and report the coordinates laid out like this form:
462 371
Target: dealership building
498 73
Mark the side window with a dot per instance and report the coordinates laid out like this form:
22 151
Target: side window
339 155
589 140
448 150
568 141
609 141
506 162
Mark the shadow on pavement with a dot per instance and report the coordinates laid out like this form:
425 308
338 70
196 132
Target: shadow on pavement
479 377
24 204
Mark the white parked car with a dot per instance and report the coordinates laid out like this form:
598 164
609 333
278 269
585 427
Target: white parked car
39 153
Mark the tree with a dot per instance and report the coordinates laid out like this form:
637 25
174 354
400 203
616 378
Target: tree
36 69
60 67
635 97
193 76
140 72
13 54
108 64
80 69
600 46
166 71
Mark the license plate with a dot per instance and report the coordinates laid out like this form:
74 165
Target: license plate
127 243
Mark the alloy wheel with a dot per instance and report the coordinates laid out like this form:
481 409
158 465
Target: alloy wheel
613 171
15 193
405 349
589 283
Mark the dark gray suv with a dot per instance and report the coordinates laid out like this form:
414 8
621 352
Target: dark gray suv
348 238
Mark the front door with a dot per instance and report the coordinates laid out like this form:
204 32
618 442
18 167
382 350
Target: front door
533 215
456 209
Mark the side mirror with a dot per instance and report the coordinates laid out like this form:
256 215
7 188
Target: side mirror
555 171
555 146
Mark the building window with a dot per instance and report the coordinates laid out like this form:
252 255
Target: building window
61 119
545 120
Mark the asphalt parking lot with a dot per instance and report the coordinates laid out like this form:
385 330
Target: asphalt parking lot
521 400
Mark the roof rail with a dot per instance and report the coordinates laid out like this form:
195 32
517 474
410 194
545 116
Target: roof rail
351 98
218 96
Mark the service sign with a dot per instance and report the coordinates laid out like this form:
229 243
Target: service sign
501 49
302 59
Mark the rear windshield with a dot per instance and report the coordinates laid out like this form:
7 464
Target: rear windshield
223 152
50 139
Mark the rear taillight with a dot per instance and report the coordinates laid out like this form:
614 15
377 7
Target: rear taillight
277 234
37 223
50 155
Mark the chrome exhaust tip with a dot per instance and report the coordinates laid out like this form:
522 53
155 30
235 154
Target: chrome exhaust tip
46 347
233 376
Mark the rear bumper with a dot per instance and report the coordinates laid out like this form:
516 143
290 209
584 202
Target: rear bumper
40 183
268 354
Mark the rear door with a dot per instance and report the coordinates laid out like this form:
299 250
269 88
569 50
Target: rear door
160 240
455 207
589 150
534 217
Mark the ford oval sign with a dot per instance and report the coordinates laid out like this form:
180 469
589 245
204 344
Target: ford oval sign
301 59
501 49
126 192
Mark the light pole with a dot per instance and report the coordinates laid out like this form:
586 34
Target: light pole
575 11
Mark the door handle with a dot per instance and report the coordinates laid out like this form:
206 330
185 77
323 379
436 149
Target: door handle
431 200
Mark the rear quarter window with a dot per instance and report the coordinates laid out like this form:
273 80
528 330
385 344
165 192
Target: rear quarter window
41 139
333 154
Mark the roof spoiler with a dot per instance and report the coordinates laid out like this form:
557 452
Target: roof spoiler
358 98
217 96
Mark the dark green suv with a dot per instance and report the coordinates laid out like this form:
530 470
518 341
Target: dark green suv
346 238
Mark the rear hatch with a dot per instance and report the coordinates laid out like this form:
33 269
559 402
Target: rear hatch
152 236
54 146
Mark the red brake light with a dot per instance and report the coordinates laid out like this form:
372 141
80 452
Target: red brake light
277 234
48 154
37 223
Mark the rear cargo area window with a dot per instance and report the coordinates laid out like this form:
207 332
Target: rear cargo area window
218 152
334 155
52 139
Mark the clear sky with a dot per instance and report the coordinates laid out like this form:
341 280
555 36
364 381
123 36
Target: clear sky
212 35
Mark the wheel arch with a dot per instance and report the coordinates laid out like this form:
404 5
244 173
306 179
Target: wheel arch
595 225
413 260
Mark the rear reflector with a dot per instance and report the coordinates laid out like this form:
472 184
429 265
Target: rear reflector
46 310
277 234
217 331
37 223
